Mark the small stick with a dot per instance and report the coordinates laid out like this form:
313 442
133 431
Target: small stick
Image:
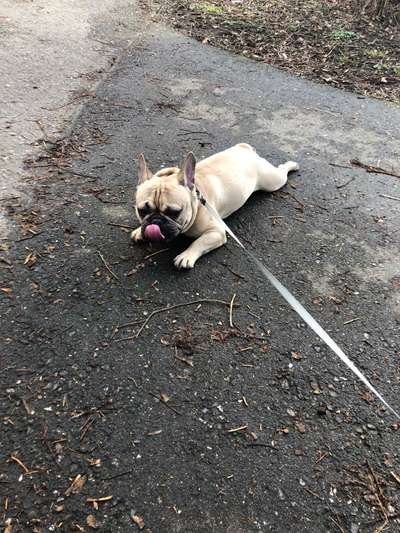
170 307
155 253
379 496
350 321
165 403
313 494
134 323
236 430
372 169
235 273
297 200
21 464
107 267
120 225
262 444
187 362
340 166
337 524
29 236
231 311
325 454
390 197
341 185
395 476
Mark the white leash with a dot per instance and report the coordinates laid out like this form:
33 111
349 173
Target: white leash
300 310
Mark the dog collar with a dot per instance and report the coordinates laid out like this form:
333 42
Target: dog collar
200 197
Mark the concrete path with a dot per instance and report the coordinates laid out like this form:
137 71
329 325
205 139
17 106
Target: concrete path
148 421
51 58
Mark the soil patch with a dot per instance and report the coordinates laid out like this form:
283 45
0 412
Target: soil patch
332 42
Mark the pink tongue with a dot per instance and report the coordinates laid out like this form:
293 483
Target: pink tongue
153 233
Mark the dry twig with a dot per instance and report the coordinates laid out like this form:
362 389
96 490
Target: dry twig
372 169
231 311
107 266
164 309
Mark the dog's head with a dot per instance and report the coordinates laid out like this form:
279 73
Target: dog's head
166 202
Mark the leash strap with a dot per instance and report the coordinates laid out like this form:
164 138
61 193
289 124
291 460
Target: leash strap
298 307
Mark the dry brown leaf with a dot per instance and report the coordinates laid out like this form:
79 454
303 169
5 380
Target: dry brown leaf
301 428
8 528
164 397
282 430
315 388
77 485
30 259
138 521
91 521
295 355
94 462
7 290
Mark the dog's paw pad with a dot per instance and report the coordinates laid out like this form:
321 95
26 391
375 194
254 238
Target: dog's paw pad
136 235
184 260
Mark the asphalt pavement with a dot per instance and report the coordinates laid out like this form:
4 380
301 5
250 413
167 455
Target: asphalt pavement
120 415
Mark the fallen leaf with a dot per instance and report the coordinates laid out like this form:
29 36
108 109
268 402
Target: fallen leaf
7 290
94 462
77 485
315 387
335 299
387 459
8 528
282 430
30 259
92 522
295 355
164 397
301 428
138 521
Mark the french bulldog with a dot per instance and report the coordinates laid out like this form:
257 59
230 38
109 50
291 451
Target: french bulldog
168 202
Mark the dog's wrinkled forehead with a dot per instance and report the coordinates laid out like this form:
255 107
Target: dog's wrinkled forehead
162 189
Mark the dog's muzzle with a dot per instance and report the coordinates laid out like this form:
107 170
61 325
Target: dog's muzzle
160 229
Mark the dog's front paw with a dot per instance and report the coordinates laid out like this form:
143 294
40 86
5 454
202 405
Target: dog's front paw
185 260
136 235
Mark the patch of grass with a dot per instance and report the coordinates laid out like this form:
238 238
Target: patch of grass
396 70
376 53
210 8
342 35
381 67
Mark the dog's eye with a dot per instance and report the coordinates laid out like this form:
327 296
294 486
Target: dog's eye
172 212
143 211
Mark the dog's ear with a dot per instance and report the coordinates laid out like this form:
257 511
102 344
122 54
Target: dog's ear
188 171
143 172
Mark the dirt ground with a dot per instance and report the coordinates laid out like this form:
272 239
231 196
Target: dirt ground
329 41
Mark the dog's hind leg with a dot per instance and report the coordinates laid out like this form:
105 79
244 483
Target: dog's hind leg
272 178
